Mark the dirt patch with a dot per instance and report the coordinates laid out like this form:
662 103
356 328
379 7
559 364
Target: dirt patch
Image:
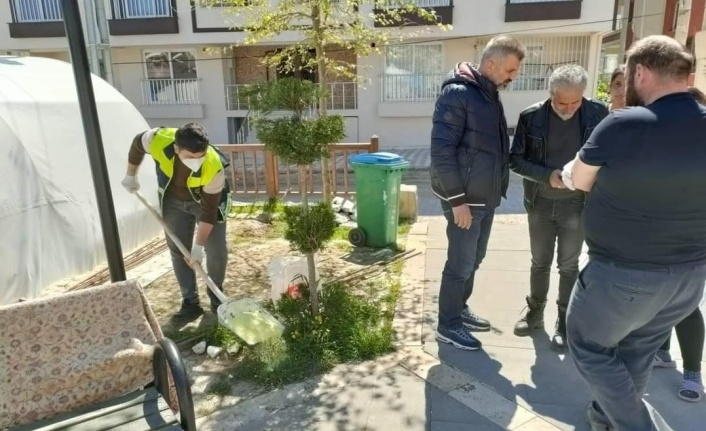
253 241
252 244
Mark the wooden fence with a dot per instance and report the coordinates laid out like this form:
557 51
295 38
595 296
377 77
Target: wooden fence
254 171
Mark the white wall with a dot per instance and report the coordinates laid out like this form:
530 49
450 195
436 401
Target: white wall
648 17
469 20
408 124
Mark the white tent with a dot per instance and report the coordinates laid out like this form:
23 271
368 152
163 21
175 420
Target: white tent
48 212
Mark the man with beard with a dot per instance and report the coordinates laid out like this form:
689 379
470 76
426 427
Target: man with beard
469 173
645 226
548 136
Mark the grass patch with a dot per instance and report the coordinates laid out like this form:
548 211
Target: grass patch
221 386
272 206
349 327
404 226
220 336
343 246
341 233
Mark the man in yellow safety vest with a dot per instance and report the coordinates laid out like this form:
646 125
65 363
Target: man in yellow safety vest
193 195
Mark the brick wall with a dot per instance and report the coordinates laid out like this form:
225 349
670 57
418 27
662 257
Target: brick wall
249 68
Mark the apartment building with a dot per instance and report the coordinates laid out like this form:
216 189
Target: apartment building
635 19
176 60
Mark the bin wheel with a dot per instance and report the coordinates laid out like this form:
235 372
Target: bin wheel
356 236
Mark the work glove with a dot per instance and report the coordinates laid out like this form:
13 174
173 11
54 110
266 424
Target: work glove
566 177
196 254
130 183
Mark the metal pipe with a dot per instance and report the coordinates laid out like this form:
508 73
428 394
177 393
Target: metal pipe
104 35
91 36
94 141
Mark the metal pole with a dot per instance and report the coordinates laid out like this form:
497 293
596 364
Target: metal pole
104 38
94 142
92 46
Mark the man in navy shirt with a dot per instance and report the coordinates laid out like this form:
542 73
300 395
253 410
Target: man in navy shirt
645 227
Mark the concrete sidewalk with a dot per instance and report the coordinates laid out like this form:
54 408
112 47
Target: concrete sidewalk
512 384
524 370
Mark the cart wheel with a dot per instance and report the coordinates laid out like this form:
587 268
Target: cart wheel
356 236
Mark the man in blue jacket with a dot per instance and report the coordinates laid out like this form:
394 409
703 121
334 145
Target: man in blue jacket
549 134
469 173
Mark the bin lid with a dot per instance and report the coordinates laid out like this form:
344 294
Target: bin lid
381 158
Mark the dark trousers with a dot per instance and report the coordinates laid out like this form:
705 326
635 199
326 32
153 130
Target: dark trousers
466 251
690 333
555 222
181 217
617 319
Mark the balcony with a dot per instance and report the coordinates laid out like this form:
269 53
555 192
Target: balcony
36 18
442 8
341 96
170 92
542 10
136 17
410 88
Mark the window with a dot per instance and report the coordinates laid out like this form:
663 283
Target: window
37 10
544 54
535 71
675 20
132 9
413 73
296 68
171 77
170 65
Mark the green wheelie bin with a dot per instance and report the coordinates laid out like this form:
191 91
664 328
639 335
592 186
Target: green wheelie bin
378 177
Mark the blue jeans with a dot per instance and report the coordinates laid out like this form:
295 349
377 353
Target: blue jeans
617 319
555 221
181 217
465 253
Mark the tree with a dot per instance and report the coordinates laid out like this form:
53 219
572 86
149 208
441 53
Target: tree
603 88
298 139
326 25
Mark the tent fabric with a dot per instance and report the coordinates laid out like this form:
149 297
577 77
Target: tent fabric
48 210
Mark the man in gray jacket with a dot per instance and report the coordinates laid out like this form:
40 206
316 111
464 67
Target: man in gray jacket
469 173
549 134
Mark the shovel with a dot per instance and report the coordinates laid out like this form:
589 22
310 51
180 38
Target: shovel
245 317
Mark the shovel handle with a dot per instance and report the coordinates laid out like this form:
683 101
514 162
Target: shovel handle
197 266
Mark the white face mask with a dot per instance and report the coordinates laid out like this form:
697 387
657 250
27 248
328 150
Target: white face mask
193 164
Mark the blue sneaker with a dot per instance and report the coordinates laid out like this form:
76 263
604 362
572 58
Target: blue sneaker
474 322
458 337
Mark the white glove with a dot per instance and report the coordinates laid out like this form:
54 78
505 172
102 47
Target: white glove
196 254
130 183
566 175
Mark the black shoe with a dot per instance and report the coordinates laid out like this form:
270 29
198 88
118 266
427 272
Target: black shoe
189 311
533 318
559 338
459 337
474 322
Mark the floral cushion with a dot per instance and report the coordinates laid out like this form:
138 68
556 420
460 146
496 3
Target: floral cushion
65 352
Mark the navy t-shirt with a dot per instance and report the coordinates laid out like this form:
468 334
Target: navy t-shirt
647 208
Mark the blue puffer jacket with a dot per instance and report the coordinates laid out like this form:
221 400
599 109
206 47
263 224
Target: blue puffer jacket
469 141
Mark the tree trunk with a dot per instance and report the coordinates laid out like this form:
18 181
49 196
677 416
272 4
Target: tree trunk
310 262
327 194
